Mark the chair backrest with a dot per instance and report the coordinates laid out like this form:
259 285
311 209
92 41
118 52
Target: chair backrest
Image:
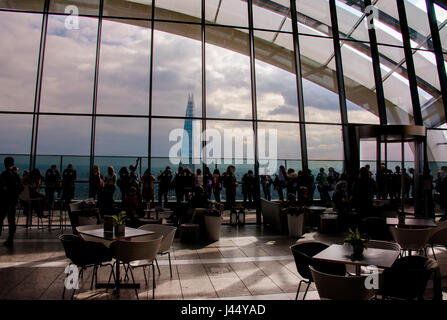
168 233
408 277
25 194
411 239
82 252
271 213
128 251
377 244
439 235
337 287
303 253
75 206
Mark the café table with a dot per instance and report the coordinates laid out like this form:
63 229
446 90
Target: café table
412 222
129 234
342 254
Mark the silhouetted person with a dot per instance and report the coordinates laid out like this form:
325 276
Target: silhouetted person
292 182
363 191
230 185
208 182
69 177
248 187
109 190
217 184
52 183
396 183
266 183
308 181
179 184
280 182
188 182
340 196
148 187
96 183
323 186
332 178
10 189
123 181
164 184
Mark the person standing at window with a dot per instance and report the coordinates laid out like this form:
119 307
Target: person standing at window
69 177
96 183
217 184
10 189
52 182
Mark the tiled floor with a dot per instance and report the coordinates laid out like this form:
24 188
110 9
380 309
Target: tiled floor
247 263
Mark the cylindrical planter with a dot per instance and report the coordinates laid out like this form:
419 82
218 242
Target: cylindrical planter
119 230
295 224
213 225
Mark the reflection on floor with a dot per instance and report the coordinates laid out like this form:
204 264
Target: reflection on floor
247 263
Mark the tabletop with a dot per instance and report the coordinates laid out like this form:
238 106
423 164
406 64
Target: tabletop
128 234
317 208
371 257
412 222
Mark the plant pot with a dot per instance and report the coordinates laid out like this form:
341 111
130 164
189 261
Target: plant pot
119 230
213 226
295 224
357 251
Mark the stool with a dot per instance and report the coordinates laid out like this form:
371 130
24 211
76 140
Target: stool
189 232
329 223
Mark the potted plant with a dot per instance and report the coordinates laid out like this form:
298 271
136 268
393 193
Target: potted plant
119 220
295 220
358 243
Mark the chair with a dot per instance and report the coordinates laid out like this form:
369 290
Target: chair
86 237
387 245
336 287
168 234
302 254
376 228
411 239
271 214
85 254
407 278
76 218
136 253
28 203
438 237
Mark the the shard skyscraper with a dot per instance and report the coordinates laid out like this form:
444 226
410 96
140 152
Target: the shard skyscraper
187 142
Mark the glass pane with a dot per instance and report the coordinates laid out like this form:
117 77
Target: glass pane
386 23
62 135
15 134
178 139
227 12
121 136
119 8
396 85
68 75
179 10
314 17
228 81
82 166
437 149
320 91
441 18
324 142
272 15
31 5
352 22
286 137
418 24
433 112
20 161
19 46
359 83
275 79
124 69
177 69
90 7
368 154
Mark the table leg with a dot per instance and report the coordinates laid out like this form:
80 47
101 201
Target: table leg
357 270
117 279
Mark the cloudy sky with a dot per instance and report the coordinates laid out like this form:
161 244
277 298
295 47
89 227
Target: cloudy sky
124 74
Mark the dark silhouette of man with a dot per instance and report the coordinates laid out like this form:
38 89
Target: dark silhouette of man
10 189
